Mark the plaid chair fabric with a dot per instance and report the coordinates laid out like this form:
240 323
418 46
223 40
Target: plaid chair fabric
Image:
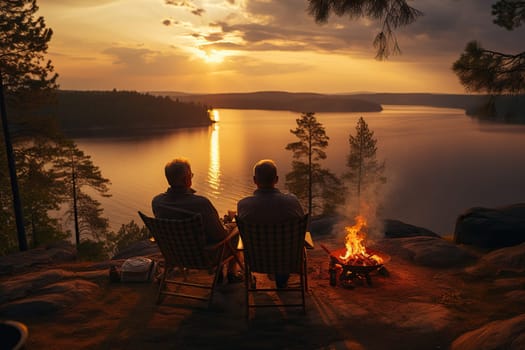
273 248
182 244
270 249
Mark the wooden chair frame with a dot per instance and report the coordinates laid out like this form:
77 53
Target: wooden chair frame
182 244
270 249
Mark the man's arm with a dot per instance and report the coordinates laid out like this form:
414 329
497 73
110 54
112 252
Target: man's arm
213 226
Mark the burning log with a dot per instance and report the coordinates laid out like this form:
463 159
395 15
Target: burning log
350 270
355 261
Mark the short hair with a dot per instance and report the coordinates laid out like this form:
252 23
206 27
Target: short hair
177 170
265 172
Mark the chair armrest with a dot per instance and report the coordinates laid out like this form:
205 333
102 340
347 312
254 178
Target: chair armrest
229 237
308 241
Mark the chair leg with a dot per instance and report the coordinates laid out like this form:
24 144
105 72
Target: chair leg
247 287
305 270
162 284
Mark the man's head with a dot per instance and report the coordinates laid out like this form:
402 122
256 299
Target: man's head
178 172
265 173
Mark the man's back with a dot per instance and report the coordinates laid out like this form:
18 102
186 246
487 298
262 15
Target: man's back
269 206
176 201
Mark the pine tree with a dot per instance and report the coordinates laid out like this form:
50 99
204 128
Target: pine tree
23 43
25 77
314 186
77 172
365 172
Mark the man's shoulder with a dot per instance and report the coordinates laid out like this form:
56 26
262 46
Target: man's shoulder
159 199
246 199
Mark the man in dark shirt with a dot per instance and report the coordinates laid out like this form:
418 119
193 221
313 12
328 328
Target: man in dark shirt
268 204
180 200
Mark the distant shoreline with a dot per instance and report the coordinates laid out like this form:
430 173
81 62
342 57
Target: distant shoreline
358 102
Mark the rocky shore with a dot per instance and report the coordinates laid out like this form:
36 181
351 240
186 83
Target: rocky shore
437 294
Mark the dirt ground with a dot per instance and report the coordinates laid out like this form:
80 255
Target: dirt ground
411 308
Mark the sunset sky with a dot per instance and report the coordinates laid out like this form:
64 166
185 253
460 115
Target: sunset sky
207 46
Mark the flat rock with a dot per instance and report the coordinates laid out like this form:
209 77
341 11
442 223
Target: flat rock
56 252
26 284
420 316
36 282
428 251
505 334
52 298
505 261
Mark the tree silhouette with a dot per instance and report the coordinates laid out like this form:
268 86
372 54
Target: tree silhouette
308 180
25 77
478 69
391 13
78 171
365 172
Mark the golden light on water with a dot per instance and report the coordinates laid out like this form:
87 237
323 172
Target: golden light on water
214 170
215 115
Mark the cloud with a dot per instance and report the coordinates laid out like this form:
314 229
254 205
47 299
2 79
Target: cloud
444 29
186 4
142 61
76 3
255 67
198 12
214 37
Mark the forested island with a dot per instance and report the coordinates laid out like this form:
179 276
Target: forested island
109 112
510 108
280 100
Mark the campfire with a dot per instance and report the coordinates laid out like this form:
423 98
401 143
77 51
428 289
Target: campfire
355 261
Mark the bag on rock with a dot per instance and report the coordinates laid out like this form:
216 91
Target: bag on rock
138 269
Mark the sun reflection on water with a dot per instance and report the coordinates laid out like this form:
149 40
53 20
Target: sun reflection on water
214 170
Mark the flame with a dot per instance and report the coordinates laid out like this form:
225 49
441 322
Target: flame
355 242
354 238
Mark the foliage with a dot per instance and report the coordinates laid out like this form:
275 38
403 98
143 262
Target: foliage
23 43
494 72
44 171
478 69
77 171
365 173
316 188
41 192
89 250
391 13
27 79
510 14
481 70
123 111
47 166
127 235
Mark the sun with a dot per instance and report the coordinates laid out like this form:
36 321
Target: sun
212 56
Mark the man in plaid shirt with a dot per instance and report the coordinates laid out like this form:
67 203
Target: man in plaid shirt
268 204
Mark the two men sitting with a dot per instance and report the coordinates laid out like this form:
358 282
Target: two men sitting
266 205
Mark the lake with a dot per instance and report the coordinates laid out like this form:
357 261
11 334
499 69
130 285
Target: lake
439 161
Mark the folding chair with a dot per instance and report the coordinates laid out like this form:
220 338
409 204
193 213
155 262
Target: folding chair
271 249
182 244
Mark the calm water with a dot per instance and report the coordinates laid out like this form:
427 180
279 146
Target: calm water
439 162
